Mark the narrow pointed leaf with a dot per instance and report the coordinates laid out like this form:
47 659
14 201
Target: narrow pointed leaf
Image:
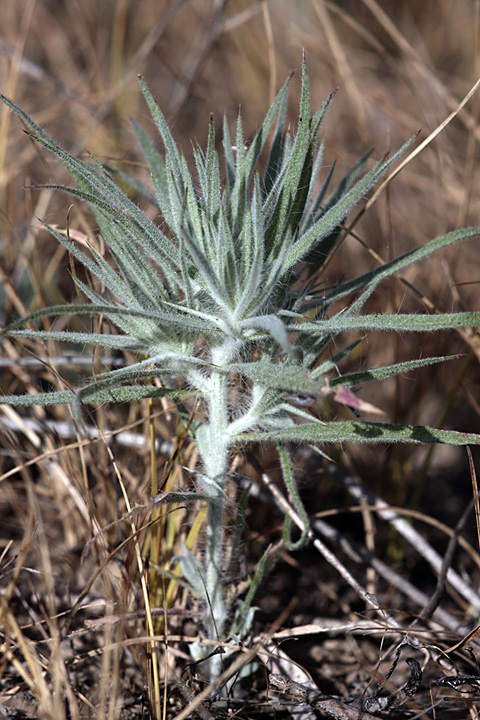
403 261
404 323
66 397
380 373
323 227
360 432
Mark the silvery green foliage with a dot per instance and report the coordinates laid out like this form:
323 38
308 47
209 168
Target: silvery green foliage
223 297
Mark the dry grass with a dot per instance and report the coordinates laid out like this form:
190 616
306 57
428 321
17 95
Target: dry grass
73 642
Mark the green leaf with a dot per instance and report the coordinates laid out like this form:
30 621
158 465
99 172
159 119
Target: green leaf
289 480
370 432
299 162
113 341
404 323
323 227
292 378
318 255
66 397
380 373
162 127
402 262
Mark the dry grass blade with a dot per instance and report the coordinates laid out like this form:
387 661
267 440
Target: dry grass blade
421 545
329 556
473 476
11 87
381 188
343 64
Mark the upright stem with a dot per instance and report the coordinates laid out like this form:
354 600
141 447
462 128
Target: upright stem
215 457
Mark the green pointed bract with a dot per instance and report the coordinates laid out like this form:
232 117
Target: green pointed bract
223 298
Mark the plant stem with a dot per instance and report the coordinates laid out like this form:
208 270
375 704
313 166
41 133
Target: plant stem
215 457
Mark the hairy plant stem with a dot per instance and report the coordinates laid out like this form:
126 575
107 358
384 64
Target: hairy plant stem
215 457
